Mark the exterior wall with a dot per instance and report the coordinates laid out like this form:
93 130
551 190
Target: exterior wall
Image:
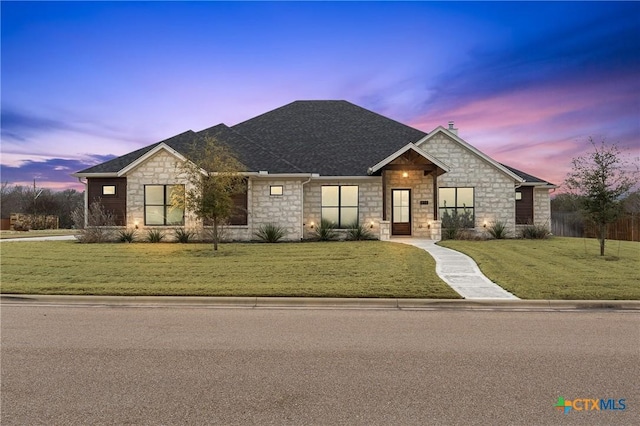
369 203
160 169
116 203
282 210
494 191
541 207
421 190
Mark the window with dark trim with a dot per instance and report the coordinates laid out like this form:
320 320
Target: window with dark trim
456 207
340 205
157 205
276 190
108 190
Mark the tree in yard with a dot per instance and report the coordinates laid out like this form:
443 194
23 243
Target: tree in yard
213 177
602 177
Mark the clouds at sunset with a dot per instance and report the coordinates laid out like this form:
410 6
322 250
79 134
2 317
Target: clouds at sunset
526 83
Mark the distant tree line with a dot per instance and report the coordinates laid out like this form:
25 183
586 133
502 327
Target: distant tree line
40 201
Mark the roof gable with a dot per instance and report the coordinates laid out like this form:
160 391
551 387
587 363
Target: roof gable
472 149
401 151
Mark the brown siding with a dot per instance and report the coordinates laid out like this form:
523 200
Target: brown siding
239 215
117 203
524 207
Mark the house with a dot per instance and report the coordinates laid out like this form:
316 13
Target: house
314 160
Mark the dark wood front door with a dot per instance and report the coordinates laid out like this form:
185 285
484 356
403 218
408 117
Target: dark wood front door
401 212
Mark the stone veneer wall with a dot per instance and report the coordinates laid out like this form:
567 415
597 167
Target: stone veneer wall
541 207
494 191
421 190
370 202
160 169
282 210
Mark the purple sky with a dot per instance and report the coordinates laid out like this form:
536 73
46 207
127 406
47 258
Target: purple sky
526 83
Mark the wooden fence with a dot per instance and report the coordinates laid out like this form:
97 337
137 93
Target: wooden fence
570 224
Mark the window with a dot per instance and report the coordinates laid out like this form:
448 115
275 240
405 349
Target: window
518 196
157 205
108 190
456 207
275 190
340 205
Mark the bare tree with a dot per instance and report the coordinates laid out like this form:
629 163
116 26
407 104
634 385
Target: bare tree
213 176
602 177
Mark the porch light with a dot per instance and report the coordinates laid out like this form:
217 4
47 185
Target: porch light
135 223
429 225
371 224
484 224
405 174
312 224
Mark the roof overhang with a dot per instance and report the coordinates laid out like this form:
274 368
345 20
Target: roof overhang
410 146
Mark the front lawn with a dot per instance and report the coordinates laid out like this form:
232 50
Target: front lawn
558 268
37 233
338 269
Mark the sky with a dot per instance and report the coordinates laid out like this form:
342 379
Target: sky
526 83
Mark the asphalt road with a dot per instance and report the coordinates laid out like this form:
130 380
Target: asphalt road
190 365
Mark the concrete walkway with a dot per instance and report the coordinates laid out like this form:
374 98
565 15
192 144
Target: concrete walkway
56 238
459 271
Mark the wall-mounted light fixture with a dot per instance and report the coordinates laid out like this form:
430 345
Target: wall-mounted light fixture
371 224
484 224
405 174
429 225
311 225
135 223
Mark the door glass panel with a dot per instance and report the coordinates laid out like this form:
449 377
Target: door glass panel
401 206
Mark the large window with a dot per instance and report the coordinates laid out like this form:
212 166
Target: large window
157 205
456 207
340 205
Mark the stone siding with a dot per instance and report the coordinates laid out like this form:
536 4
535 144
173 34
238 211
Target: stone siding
282 210
494 191
369 203
541 207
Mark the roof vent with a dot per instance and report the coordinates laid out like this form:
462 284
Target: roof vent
452 129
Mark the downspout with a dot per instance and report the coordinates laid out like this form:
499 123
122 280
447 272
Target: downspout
302 206
86 200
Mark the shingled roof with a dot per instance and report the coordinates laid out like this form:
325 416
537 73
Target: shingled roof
528 179
331 138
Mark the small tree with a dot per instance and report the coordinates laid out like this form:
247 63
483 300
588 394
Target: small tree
213 176
602 177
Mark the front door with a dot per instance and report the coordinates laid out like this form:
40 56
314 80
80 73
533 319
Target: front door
401 212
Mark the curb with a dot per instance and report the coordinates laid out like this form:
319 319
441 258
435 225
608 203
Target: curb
318 302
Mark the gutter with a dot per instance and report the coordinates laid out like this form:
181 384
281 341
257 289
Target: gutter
302 205
86 200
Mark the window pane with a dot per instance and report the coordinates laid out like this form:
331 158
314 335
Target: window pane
330 214
154 195
465 197
154 215
175 216
276 190
349 196
348 216
109 190
400 214
330 196
447 197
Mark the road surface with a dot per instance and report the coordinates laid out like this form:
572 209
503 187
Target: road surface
198 365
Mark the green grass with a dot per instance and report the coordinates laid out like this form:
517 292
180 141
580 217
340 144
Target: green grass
558 268
38 233
339 269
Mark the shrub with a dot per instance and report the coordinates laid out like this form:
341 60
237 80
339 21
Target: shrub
270 233
326 231
498 230
127 235
100 223
358 232
183 235
535 232
454 223
155 235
